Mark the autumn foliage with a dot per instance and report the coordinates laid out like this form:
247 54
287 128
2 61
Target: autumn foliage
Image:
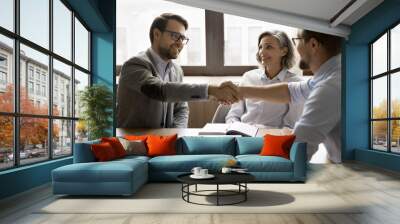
33 130
380 127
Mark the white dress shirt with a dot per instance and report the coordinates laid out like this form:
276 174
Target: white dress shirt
320 121
264 113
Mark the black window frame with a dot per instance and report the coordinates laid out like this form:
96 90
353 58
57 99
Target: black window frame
388 74
16 115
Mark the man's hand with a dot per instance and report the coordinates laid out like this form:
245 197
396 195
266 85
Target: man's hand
225 93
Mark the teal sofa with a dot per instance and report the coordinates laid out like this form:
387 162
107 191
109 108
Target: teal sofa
125 176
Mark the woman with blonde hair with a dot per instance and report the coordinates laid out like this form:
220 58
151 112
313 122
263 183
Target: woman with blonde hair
275 55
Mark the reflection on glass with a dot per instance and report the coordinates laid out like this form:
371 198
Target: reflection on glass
241 37
395 95
62 89
379 135
81 81
134 20
81 45
62 29
395 47
35 21
7 14
395 136
33 139
379 98
81 131
379 55
34 96
6 142
6 74
62 138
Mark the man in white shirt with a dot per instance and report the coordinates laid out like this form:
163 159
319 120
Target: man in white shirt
320 120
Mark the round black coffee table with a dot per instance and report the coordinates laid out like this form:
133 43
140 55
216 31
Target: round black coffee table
238 179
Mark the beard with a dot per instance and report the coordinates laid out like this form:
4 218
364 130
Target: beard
303 65
169 52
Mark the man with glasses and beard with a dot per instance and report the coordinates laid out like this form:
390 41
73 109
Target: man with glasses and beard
320 120
150 91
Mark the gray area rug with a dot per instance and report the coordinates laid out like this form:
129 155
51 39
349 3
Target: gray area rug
166 198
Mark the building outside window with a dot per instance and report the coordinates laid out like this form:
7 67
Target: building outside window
30 87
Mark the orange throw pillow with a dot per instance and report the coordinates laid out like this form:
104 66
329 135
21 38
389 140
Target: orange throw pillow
103 151
277 145
161 145
116 145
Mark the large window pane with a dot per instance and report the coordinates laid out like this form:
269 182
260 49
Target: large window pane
6 74
395 47
6 142
7 14
395 95
62 29
62 141
395 136
35 21
81 45
379 56
33 139
241 37
379 135
62 89
379 98
133 24
81 81
34 96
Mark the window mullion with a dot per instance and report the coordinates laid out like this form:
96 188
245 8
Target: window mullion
214 41
50 81
389 106
16 83
73 82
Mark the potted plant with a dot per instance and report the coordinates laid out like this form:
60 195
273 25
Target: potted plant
96 103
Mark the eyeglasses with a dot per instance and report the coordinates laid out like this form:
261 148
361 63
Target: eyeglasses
177 36
296 40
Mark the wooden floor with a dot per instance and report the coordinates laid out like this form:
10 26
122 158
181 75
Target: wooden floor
378 188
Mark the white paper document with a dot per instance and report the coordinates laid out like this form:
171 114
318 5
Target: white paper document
236 128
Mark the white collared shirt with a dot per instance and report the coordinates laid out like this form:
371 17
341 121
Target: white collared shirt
264 113
320 121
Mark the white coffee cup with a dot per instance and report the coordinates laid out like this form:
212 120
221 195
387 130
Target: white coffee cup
196 170
203 172
226 170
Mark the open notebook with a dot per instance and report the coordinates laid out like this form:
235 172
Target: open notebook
236 128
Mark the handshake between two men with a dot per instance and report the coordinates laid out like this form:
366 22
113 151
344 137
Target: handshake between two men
225 93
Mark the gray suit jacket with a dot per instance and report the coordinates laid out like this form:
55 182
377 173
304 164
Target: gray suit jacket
144 100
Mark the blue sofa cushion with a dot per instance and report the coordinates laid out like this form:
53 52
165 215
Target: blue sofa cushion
185 163
198 145
257 163
111 171
248 145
